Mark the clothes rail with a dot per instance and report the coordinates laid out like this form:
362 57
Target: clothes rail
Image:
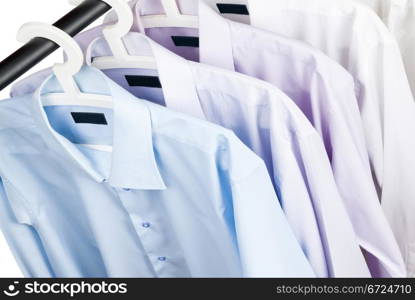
38 49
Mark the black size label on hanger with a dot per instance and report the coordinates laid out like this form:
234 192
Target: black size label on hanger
186 41
144 81
89 118
236 9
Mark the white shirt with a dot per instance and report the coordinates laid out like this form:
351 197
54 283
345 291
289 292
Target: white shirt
353 35
399 17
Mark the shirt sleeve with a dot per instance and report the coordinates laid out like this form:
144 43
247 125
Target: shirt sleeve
22 238
267 245
343 254
342 129
398 188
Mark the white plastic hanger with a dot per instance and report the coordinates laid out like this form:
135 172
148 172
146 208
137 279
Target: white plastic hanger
64 72
113 35
171 18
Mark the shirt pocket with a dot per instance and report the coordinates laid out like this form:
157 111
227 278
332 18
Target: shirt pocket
18 203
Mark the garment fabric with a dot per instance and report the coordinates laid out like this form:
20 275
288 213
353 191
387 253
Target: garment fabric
332 266
291 159
171 200
324 91
353 35
399 17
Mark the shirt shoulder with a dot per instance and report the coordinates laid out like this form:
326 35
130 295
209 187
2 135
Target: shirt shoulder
254 95
217 143
321 7
15 112
313 60
365 22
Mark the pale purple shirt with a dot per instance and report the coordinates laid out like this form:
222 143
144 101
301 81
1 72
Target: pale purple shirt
325 92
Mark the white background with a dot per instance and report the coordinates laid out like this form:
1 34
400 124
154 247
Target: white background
14 13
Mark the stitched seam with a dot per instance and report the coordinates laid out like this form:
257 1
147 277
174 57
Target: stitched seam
237 181
188 143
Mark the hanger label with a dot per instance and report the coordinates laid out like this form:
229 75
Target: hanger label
89 118
236 9
186 41
144 81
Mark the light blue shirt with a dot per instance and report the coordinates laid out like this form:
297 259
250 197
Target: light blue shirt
177 196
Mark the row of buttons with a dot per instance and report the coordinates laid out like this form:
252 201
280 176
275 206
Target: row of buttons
148 225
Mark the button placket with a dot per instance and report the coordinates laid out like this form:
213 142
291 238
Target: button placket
161 264
147 232
144 230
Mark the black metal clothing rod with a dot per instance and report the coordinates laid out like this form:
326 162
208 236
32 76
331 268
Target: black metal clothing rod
38 49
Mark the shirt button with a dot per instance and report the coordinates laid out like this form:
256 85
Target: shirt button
146 225
162 258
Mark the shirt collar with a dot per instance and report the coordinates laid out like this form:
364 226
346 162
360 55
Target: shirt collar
133 160
214 33
215 38
175 73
